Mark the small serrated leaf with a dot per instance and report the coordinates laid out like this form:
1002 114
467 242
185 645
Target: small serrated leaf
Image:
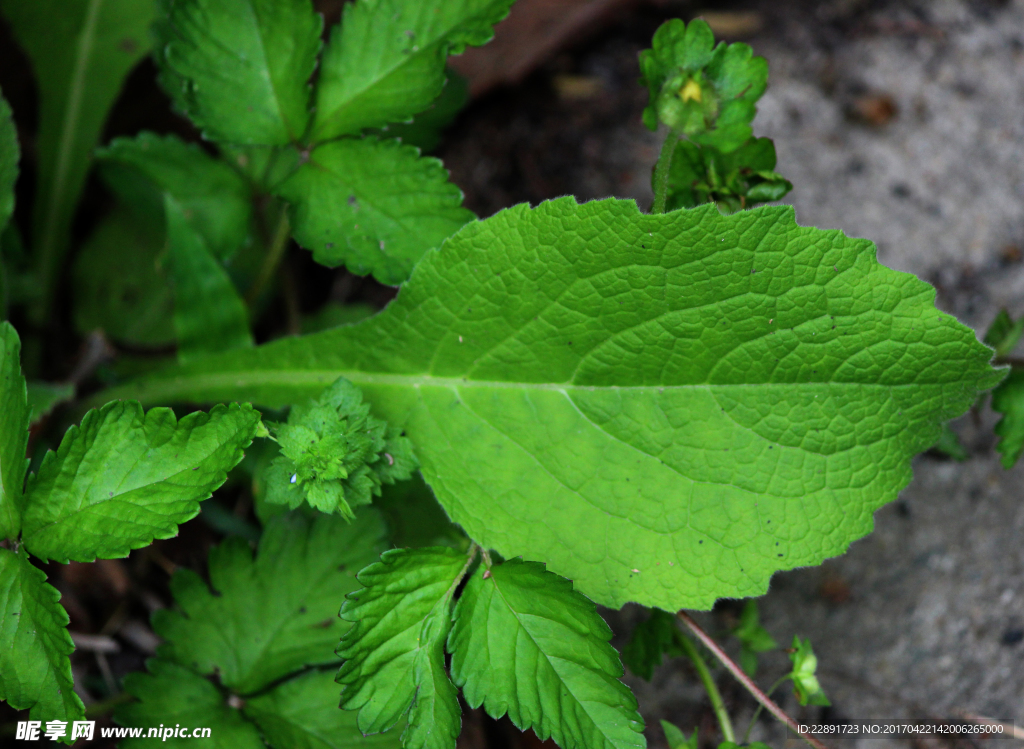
273 615
650 641
394 652
385 60
375 206
125 478
239 68
525 643
34 645
14 424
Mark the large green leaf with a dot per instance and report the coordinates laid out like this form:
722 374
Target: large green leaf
525 643
302 713
209 315
385 60
373 205
81 51
10 153
172 695
124 478
34 645
273 615
664 408
240 68
394 652
214 198
118 284
14 423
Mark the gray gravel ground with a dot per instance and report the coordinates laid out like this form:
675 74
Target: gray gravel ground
925 617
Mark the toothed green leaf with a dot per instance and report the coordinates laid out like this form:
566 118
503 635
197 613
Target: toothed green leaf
706 399
125 478
753 638
385 60
240 68
394 651
14 424
526 644
335 455
651 640
214 198
375 206
34 643
273 615
172 695
209 315
119 285
302 713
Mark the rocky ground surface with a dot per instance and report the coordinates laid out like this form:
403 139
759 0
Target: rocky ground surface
896 121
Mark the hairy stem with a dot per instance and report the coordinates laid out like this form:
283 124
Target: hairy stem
717 703
662 169
745 680
278 244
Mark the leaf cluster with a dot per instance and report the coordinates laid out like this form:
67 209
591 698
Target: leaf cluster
246 657
522 643
335 455
115 483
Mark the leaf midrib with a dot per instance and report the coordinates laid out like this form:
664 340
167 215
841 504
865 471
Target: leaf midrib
166 389
548 660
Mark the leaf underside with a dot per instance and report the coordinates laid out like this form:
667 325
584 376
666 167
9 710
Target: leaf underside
1008 400
704 399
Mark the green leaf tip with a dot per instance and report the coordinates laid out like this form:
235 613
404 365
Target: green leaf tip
707 399
526 644
676 739
704 91
394 651
125 477
335 455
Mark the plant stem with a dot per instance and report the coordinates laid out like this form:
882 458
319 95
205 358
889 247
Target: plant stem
662 170
745 680
717 704
760 707
278 244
